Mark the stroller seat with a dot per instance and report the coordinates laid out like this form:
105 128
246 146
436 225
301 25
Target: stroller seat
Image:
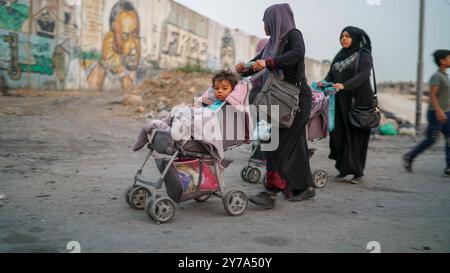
163 143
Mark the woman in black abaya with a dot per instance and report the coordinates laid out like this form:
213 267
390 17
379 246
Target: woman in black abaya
350 71
288 168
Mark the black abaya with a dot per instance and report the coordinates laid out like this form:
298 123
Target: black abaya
349 144
288 167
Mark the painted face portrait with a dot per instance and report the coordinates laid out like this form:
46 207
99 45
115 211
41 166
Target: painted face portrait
126 37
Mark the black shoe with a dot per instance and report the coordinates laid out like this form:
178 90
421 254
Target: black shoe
407 163
264 199
339 178
304 195
357 180
446 172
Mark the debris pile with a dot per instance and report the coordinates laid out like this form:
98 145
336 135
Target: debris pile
392 125
157 96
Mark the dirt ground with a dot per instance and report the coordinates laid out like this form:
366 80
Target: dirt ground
66 159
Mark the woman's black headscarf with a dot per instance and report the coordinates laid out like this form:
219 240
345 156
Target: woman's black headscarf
360 40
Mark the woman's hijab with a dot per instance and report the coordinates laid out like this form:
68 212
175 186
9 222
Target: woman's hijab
279 19
360 41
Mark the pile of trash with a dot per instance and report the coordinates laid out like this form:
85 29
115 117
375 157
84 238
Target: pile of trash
392 125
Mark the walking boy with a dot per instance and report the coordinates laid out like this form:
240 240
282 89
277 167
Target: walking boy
438 112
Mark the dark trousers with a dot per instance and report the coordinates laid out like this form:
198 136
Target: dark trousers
432 135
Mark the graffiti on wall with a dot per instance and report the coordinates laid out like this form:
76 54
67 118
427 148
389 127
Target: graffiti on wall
13 14
97 44
45 23
227 51
121 49
92 24
67 65
69 20
14 70
181 48
27 60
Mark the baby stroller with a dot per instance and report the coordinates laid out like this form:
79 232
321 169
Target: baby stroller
190 171
317 129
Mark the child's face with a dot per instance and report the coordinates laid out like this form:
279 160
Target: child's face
222 89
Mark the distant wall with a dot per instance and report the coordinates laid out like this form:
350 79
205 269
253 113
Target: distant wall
112 44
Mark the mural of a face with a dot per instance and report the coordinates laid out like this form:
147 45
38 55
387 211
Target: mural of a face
126 37
121 50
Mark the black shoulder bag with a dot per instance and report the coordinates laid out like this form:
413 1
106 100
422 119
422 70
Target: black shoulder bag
365 117
277 92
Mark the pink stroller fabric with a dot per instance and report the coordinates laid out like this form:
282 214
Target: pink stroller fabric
318 120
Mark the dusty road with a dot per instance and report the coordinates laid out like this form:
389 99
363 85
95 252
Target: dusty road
65 162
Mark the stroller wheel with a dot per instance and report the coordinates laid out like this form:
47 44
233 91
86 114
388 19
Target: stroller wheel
203 198
235 203
320 179
244 173
137 198
253 175
161 210
126 195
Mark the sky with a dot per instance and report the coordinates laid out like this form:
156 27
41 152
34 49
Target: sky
393 26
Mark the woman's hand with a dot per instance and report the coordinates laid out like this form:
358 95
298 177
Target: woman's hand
240 67
259 65
338 86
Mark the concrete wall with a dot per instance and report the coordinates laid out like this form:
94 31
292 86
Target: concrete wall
111 44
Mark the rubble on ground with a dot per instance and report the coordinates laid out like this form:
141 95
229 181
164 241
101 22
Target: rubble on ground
159 95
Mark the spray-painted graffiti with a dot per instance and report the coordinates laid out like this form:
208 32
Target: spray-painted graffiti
39 63
13 14
182 48
97 44
26 60
70 19
45 23
92 24
227 52
14 69
67 65
121 50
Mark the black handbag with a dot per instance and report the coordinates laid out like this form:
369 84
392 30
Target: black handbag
365 117
279 93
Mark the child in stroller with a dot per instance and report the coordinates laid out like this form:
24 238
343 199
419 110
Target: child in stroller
190 167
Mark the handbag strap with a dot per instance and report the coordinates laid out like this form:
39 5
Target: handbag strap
375 93
284 42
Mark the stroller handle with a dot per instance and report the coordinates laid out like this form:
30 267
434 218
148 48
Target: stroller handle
249 65
257 75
